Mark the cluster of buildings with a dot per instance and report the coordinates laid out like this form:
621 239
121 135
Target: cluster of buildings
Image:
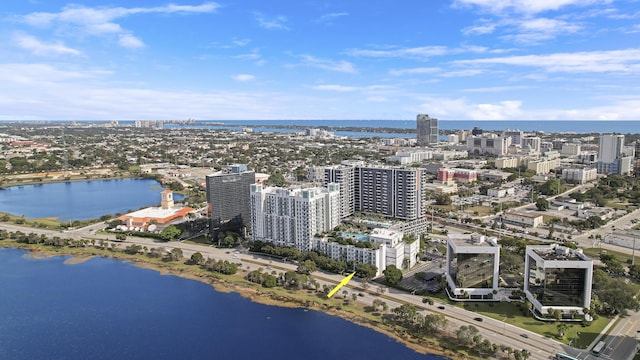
306 217
555 278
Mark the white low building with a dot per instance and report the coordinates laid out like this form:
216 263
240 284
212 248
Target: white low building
388 248
522 219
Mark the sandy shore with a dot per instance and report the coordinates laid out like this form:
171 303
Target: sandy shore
248 290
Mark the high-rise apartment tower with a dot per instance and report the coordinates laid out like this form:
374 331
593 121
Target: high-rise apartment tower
427 129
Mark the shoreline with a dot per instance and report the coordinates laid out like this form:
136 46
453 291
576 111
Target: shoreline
256 294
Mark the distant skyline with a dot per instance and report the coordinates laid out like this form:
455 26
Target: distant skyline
383 59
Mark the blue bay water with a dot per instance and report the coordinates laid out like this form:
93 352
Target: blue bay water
81 200
109 309
591 126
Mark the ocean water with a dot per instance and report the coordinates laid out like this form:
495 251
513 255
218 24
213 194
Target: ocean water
81 200
572 126
109 309
593 126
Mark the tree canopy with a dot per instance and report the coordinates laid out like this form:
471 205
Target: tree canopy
392 275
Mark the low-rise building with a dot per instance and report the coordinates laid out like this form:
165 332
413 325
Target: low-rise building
579 175
473 262
500 193
557 278
153 218
523 219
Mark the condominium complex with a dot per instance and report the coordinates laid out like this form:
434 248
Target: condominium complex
389 248
345 176
427 128
291 217
228 197
392 192
557 278
472 266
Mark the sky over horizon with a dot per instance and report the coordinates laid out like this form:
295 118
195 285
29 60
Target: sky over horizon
383 59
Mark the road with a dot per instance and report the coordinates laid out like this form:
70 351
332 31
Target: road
498 332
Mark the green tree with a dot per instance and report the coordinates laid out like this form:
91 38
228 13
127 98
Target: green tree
176 254
443 199
306 267
276 179
269 281
542 204
366 271
197 258
169 233
465 334
392 275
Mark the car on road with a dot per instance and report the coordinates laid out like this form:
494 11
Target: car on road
360 294
524 336
478 319
441 307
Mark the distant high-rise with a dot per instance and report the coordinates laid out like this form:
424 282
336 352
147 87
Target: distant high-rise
610 147
611 156
228 197
427 129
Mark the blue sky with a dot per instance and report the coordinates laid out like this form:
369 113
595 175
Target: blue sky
305 59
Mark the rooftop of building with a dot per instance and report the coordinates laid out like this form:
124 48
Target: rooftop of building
158 212
473 239
557 252
530 215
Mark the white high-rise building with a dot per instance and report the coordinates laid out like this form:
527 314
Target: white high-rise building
610 147
291 217
611 159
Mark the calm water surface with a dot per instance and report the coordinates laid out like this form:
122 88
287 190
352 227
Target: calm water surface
108 309
81 200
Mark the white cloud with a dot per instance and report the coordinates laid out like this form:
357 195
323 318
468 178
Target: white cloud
325 64
100 21
327 19
40 48
531 31
523 6
422 52
483 29
243 77
625 61
415 71
337 88
461 109
273 23
129 41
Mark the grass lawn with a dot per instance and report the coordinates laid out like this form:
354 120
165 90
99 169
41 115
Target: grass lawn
511 314
594 253
200 240
482 210
47 223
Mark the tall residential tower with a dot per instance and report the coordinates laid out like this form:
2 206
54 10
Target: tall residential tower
427 128
228 198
